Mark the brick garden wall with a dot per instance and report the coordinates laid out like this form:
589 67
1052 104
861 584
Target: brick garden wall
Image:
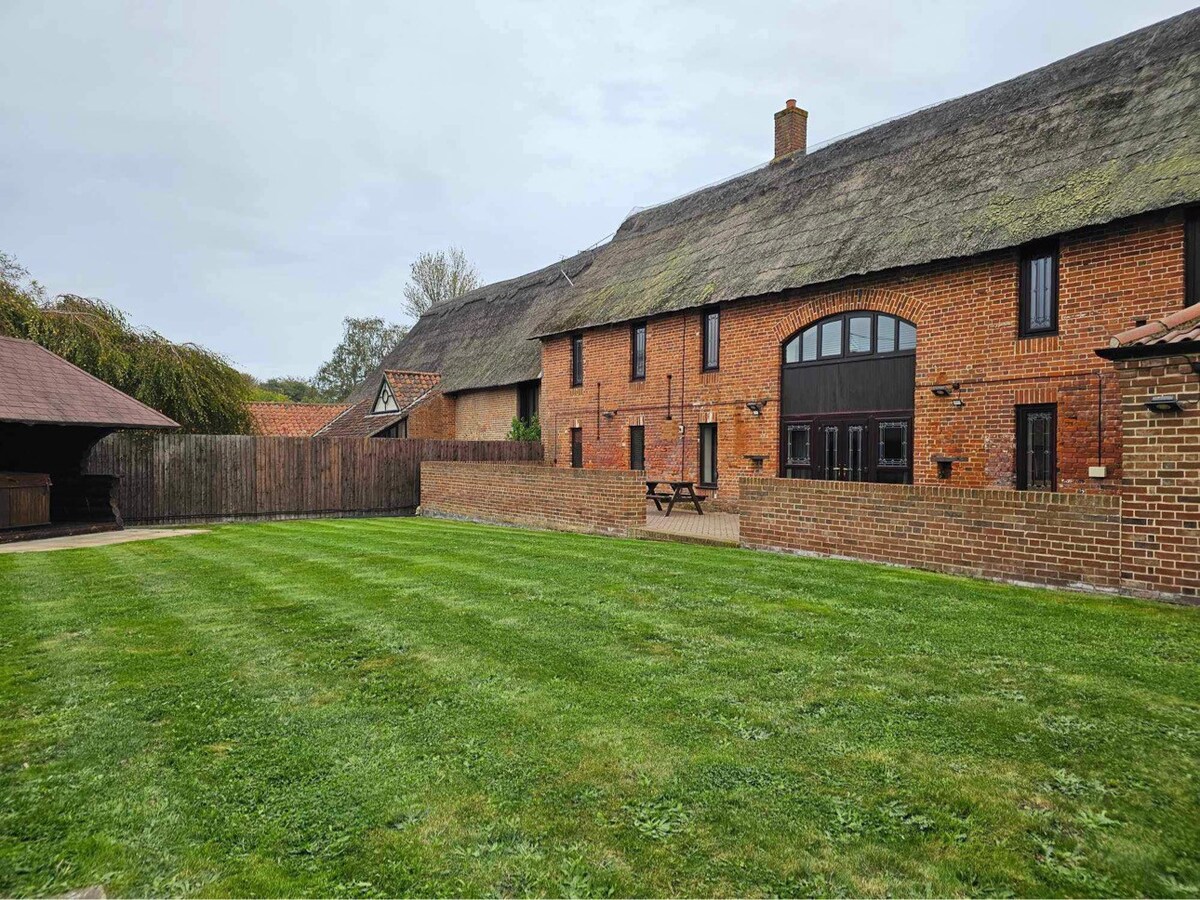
484 415
966 316
1161 490
1042 538
535 496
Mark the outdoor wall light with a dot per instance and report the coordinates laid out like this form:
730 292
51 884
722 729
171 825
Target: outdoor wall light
940 390
756 406
610 414
959 402
1164 403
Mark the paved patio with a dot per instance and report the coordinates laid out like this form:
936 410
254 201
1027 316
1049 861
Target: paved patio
719 528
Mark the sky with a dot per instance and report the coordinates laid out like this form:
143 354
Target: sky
243 174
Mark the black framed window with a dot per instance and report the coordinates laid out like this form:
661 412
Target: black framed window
799 445
527 400
1038 289
1191 257
637 352
1037 454
854 334
637 447
577 360
708 454
576 448
712 340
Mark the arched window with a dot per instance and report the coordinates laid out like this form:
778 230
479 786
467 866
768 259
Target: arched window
854 335
847 385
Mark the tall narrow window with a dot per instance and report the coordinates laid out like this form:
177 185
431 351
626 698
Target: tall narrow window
1038 288
708 454
1037 458
1191 257
712 340
576 448
637 345
527 400
577 360
637 447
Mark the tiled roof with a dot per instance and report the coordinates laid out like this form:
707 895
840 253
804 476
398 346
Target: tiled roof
37 386
410 389
293 419
1179 331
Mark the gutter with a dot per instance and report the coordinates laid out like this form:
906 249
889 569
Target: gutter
1143 351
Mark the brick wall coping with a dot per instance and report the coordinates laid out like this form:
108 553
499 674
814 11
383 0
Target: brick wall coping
934 491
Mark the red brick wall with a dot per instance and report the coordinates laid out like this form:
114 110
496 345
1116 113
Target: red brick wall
1161 509
433 419
966 314
485 415
1042 538
534 496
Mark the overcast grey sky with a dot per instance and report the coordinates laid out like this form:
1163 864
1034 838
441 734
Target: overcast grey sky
244 174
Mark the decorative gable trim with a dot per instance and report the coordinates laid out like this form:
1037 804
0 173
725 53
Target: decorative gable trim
385 400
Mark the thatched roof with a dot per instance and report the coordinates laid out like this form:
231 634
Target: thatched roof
1107 133
481 339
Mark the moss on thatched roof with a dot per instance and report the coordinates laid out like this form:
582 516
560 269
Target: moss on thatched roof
1108 133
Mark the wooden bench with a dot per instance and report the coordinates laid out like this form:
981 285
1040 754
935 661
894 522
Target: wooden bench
680 490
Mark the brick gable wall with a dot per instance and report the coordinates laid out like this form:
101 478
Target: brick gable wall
485 415
966 315
435 418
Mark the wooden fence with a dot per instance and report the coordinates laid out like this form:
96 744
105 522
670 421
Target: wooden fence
191 477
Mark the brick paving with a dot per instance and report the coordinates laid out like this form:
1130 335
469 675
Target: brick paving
685 525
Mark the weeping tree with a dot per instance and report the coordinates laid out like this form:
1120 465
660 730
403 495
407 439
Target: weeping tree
195 387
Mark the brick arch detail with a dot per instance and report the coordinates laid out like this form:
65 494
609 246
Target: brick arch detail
876 299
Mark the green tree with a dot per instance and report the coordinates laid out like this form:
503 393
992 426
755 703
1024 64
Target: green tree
195 387
436 277
298 390
283 390
364 344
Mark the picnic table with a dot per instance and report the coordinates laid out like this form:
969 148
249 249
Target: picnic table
678 490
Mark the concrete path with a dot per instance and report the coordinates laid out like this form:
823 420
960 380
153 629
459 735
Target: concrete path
102 539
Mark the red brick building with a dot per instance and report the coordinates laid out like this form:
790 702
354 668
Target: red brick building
921 303
918 303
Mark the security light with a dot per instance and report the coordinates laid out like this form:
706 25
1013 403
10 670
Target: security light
1164 403
941 390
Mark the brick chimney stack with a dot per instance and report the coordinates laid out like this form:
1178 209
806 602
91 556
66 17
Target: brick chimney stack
791 130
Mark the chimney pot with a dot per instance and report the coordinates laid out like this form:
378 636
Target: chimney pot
791 130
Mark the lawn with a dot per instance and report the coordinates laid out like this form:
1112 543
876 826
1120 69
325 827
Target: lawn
406 706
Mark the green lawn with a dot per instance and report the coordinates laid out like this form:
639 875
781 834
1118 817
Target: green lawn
405 706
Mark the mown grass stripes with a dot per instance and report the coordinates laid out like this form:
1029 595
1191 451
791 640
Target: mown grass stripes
378 707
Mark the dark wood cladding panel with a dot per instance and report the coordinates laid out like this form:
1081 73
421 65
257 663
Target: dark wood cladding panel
849 385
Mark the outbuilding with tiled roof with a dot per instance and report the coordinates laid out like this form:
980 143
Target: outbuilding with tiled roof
51 415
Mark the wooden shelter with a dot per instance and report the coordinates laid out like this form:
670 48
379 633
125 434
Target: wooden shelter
51 415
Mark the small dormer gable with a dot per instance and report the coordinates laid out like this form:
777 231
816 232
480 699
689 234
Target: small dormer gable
385 399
